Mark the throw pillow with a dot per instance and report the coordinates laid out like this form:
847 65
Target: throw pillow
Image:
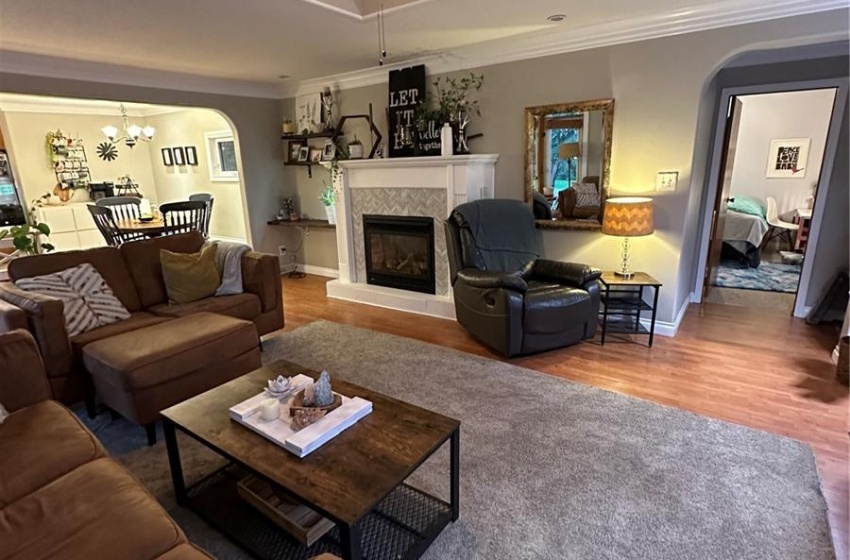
3 413
189 276
88 302
746 205
586 194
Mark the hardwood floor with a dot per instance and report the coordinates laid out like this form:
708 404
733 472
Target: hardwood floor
757 368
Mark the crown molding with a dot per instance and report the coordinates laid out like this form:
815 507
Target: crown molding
13 103
562 40
354 11
15 62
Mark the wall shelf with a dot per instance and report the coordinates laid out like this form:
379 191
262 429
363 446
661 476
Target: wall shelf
321 224
326 134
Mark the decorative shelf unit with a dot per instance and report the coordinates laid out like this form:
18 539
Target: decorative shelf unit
320 224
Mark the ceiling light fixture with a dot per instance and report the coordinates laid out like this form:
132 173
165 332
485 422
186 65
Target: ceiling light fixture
130 134
557 18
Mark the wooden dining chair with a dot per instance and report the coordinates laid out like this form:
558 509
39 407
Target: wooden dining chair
182 217
105 222
123 207
208 199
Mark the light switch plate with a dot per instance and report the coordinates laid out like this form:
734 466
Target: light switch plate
666 181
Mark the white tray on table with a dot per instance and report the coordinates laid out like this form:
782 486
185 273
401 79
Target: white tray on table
303 442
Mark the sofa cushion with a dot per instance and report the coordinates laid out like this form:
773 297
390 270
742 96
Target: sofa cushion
88 302
44 441
107 260
142 260
158 354
138 320
98 510
241 306
554 309
189 277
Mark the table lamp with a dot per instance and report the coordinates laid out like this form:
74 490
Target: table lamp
626 217
568 151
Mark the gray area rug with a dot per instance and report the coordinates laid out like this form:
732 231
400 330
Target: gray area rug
551 469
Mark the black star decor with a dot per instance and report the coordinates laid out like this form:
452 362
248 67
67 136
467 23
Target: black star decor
106 151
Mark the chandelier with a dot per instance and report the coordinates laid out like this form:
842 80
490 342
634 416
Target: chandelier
130 134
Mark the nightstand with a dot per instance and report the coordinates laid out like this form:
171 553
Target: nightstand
622 304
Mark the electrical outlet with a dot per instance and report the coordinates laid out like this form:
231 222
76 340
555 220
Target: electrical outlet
666 181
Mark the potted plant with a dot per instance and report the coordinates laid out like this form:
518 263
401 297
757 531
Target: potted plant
26 239
456 102
328 198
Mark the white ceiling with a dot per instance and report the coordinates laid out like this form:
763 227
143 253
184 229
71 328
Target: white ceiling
256 41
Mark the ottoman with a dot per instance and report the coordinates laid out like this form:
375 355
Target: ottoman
141 372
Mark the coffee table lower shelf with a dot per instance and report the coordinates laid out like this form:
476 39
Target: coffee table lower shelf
401 527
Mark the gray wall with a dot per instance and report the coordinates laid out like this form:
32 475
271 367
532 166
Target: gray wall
664 105
833 253
256 122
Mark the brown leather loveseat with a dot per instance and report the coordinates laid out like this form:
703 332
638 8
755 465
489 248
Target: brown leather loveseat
61 495
134 274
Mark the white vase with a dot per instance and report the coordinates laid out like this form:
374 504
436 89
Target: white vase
331 212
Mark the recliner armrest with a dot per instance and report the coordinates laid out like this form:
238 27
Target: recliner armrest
573 273
487 279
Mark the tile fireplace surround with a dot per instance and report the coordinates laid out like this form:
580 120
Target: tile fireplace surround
430 187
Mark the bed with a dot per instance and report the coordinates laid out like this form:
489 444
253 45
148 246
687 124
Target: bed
742 236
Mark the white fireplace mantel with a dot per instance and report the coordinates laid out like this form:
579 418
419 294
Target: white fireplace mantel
462 178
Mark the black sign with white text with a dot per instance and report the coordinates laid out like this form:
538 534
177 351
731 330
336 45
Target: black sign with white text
406 92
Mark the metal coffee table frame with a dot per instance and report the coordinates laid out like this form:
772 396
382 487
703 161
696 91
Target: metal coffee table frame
430 513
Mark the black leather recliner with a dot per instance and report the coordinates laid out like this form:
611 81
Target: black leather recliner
505 295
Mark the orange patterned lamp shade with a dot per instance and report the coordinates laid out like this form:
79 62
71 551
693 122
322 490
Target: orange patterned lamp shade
628 216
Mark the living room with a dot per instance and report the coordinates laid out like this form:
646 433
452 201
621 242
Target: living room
745 425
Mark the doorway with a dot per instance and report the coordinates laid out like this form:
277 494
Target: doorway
771 170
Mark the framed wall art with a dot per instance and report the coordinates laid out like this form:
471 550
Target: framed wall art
191 155
788 158
179 156
167 157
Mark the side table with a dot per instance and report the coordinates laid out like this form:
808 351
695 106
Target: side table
622 303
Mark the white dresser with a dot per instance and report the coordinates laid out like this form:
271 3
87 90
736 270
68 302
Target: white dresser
71 227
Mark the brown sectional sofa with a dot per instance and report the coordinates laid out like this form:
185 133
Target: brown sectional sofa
61 495
134 273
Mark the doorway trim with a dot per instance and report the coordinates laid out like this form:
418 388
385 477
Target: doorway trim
841 86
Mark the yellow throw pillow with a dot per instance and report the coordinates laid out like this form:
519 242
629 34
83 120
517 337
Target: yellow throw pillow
189 276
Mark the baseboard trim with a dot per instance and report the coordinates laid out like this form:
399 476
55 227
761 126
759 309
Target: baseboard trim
665 328
319 270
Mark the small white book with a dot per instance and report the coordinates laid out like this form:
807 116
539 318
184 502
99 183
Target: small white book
299 443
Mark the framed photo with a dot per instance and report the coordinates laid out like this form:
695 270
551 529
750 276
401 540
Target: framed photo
303 154
788 158
329 151
294 147
316 155
179 156
167 157
191 155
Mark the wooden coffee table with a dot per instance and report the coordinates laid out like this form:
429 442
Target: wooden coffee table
356 480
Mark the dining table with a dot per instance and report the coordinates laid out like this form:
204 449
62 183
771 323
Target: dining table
153 228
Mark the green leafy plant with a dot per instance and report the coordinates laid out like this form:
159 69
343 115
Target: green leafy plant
27 238
455 95
328 195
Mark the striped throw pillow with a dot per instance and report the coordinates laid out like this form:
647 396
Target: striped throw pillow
88 301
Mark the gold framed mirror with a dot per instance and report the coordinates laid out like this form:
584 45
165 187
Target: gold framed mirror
568 162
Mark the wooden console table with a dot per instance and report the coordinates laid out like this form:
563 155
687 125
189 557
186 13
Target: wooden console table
803 218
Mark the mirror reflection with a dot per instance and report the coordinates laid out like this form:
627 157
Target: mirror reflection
568 152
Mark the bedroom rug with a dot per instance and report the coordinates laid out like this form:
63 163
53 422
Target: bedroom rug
552 469
768 277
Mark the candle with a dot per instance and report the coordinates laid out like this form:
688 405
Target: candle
270 409
145 208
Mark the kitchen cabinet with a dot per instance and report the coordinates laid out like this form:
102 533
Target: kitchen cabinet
71 227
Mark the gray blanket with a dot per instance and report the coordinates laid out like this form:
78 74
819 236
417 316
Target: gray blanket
228 261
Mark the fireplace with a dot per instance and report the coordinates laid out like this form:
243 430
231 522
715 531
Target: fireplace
400 252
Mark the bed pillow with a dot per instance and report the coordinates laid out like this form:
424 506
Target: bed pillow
88 302
746 205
